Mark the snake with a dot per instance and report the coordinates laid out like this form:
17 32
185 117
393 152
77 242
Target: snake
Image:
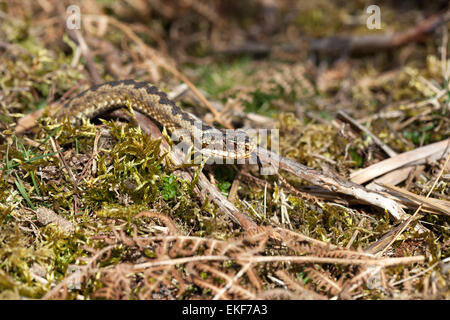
147 99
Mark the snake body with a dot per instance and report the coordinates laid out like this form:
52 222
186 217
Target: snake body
149 100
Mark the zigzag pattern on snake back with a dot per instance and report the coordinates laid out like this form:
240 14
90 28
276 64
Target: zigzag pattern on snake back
149 100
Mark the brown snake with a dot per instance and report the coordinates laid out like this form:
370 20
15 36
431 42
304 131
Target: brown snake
149 100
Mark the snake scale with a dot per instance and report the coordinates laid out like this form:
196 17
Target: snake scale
149 100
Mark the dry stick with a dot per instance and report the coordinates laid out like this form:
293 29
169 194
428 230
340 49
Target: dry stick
408 221
207 12
233 280
92 158
347 44
171 226
277 234
255 48
441 206
357 280
355 233
111 55
217 115
370 43
332 183
386 262
394 177
299 236
344 116
416 156
445 67
234 189
308 192
298 193
416 275
55 147
156 58
77 37
216 196
170 262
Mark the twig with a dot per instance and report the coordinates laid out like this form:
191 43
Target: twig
233 190
91 159
332 183
55 146
77 37
413 217
435 150
440 206
345 117
386 262
313 259
171 262
350 242
230 283
55 149
416 275
379 42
